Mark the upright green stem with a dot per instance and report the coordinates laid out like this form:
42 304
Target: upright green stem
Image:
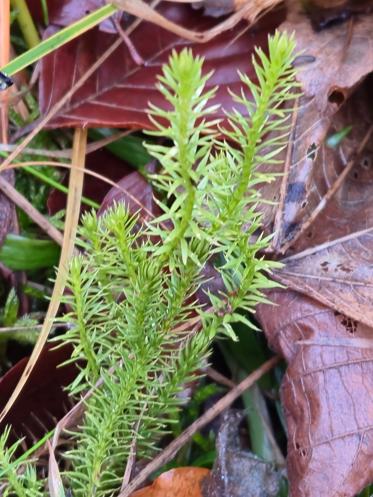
185 166
179 232
251 148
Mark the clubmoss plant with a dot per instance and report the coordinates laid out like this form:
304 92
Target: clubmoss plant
135 321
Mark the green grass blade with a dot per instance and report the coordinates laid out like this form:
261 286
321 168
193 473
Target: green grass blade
58 186
20 253
58 39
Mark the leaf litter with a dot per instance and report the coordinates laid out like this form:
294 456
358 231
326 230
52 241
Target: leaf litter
322 322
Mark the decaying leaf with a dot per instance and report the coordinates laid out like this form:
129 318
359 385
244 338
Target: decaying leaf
328 342
43 400
178 482
349 208
120 91
326 394
330 68
236 472
338 274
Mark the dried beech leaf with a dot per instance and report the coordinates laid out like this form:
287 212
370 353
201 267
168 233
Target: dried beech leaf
311 167
136 193
339 274
326 394
119 92
178 482
342 58
350 209
327 391
43 400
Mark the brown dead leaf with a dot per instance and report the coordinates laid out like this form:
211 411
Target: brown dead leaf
339 274
326 394
332 261
342 54
329 72
328 342
136 193
350 208
119 92
239 473
179 482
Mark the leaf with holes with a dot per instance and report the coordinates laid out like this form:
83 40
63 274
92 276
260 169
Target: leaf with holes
332 64
323 225
326 393
339 274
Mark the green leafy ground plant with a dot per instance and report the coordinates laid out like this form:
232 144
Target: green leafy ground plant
135 321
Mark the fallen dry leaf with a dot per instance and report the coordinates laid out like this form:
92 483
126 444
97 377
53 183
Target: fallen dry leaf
342 54
327 391
179 482
339 274
239 473
119 92
326 394
328 74
136 193
43 400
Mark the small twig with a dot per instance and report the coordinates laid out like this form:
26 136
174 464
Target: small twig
168 453
220 378
66 153
127 40
331 192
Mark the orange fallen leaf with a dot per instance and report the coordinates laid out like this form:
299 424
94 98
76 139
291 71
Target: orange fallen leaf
178 482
